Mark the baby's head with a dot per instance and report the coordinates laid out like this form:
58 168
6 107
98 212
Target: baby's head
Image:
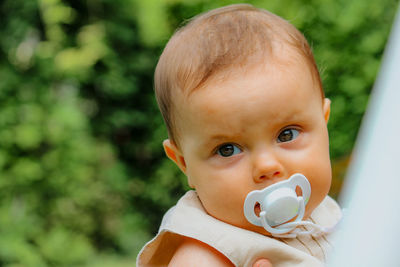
242 99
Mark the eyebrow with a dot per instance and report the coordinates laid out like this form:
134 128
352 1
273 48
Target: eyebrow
218 138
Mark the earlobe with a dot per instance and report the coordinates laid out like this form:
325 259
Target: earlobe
327 109
172 151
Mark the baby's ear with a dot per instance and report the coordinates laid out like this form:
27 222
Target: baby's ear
327 109
174 154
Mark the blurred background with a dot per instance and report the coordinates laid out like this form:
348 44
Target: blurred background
83 178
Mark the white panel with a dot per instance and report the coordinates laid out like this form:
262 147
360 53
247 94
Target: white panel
370 232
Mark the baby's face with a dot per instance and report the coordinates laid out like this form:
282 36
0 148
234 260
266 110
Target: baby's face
253 129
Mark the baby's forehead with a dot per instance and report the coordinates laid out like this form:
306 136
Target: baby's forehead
280 63
239 79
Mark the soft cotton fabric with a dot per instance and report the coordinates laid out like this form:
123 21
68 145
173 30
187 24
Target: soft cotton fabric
242 247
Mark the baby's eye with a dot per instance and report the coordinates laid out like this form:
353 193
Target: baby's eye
228 150
288 135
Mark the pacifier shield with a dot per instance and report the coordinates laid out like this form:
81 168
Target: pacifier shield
279 203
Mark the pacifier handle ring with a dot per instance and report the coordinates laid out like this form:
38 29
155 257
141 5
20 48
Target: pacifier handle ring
286 227
282 229
272 230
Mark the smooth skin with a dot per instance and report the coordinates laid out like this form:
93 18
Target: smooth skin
195 253
251 128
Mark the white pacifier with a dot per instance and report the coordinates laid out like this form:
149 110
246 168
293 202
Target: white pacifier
279 203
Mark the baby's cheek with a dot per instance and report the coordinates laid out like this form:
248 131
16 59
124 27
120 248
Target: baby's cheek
319 191
226 206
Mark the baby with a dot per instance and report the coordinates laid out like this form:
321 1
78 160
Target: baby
243 103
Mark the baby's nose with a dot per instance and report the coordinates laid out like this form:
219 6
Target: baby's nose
267 166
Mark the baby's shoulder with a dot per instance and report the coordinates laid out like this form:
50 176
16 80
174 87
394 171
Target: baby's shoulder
192 250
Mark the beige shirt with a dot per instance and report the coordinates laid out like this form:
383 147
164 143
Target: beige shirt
242 247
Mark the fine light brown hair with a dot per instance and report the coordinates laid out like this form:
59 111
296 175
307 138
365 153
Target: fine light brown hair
220 40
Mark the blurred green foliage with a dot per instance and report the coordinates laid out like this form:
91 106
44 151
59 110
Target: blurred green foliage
83 179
